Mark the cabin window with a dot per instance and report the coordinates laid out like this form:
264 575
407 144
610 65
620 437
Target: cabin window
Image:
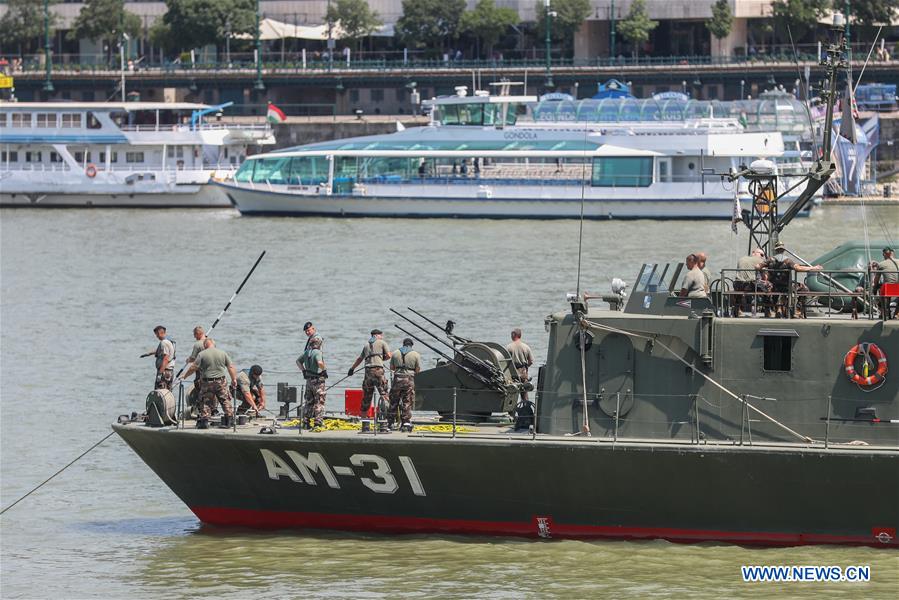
114 156
778 353
46 119
134 157
72 120
622 172
11 156
271 170
245 172
33 157
175 151
54 157
93 122
21 119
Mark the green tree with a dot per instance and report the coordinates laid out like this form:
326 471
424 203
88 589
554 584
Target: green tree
487 23
800 16
637 25
22 27
721 22
429 23
105 21
570 14
357 20
872 12
189 24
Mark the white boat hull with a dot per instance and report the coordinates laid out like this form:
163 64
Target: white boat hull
194 196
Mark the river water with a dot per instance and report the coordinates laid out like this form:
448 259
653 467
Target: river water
83 289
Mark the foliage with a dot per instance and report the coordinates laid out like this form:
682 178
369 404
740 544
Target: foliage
800 16
22 27
357 20
570 14
872 12
722 19
637 25
487 23
425 23
191 24
104 21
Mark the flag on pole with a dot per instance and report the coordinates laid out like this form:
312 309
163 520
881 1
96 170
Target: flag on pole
275 114
850 113
737 215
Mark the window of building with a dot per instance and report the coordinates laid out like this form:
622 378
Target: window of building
354 96
778 353
72 120
21 119
11 156
377 95
622 172
400 94
46 119
134 157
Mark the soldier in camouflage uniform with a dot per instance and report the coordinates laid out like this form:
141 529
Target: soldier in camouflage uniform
193 397
214 367
405 364
374 353
522 359
312 363
165 360
250 390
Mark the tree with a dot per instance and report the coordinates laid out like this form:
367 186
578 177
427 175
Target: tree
721 22
487 23
873 12
799 16
189 24
357 20
427 22
22 27
570 14
637 25
104 21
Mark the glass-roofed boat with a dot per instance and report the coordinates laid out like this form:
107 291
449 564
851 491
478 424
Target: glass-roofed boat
509 156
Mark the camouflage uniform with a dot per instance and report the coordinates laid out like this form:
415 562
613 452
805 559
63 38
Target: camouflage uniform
164 379
315 400
402 394
212 392
374 379
247 384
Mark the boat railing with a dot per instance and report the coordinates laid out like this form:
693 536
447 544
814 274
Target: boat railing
786 293
696 419
184 128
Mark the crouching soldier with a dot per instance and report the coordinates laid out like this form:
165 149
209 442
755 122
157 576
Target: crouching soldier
250 390
312 363
214 366
405 364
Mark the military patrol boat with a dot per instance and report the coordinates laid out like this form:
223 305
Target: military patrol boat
655 416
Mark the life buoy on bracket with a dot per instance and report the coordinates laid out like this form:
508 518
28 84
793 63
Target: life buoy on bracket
91 171
876 354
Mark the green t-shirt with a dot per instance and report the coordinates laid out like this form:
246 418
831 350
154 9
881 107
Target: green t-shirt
405 363
310 360
213 363
197 348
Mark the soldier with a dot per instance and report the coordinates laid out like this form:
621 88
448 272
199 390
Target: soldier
312 363
701 258
165 360
779 268
193 398
374 353
886 271
251 390
749 280
694 280
405 364
214 366
522 359
311 334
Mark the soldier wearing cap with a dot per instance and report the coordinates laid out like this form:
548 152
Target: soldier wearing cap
374 353
779 269
165 360
405 364
886 271
250 390
311 334
312 363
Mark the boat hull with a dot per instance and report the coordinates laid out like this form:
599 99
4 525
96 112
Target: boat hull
556 487
194 196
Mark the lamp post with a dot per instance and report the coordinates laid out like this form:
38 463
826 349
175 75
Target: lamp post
742 89
48 61
258 85
122 41
549 16
612 30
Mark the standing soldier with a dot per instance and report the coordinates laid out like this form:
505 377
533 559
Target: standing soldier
522 359
214 366
312 363
165 360
405 364
250 390
374 353
311 334
193 398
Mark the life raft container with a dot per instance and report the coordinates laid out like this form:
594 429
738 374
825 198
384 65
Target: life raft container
876 354
91 171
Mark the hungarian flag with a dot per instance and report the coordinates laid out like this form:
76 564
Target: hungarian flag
275 114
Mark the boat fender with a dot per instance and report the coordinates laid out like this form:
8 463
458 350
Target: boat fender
864 379
91 171
161 408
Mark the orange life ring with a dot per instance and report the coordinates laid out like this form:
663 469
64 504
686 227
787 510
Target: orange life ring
868 380
91 171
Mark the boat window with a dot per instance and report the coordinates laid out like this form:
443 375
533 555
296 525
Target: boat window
72 120
622 171
33 157
134 157
271 170
21 119
46 119
778 355
54 157
92 121
449 114
175 152
11 156
305 170
245 172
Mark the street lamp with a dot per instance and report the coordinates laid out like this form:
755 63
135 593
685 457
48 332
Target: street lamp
549 15
259 86
48 62
612 30
742 87
124 39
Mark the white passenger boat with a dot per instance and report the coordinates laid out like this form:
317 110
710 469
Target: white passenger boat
508 156
121 154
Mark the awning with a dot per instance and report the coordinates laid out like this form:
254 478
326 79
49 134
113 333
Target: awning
270 29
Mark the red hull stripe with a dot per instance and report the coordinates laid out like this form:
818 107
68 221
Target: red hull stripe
266 519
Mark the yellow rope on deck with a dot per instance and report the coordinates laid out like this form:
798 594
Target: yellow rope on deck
344 425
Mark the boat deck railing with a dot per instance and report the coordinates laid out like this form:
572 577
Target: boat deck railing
691 420
184 128
847 293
